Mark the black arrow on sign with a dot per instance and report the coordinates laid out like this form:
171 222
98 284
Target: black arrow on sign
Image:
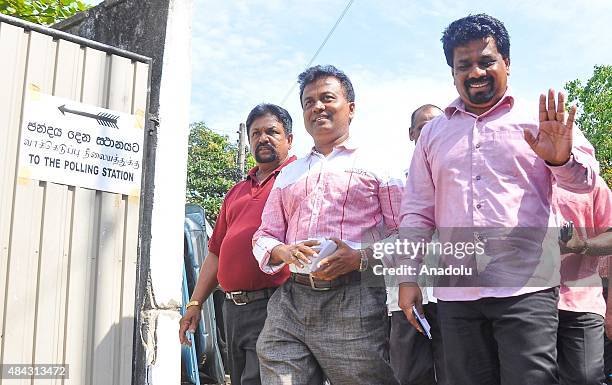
102 118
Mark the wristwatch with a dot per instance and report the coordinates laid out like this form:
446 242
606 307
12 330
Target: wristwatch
363 262
192 303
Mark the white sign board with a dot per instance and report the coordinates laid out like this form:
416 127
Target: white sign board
76 144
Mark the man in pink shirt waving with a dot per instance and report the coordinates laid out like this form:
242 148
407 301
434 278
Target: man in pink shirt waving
482 176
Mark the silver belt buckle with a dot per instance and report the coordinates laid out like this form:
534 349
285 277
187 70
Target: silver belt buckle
237 295
313 287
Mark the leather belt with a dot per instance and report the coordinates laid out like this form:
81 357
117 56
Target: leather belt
320 284
244 297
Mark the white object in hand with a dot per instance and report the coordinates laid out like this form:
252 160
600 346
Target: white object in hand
422 321
326 248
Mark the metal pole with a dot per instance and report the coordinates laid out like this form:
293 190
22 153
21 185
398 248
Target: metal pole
241 146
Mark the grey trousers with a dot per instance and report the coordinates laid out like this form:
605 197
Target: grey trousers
580 348
340 334
243 323
507 341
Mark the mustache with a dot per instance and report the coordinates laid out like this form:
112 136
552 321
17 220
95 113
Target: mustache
481 79
264 145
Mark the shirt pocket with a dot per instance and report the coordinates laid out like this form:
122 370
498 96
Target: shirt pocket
511 154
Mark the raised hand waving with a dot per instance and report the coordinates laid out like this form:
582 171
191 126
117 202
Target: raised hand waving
553 142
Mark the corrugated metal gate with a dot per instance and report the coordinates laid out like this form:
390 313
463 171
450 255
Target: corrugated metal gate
68 255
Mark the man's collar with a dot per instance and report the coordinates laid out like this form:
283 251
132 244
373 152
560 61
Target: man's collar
348 144
459 105
252 174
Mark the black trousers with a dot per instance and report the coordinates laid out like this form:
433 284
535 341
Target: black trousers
415 359
501 341
243 323
607 342
580 348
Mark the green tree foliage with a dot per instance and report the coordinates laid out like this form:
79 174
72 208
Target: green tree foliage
594 100
211 168
42 11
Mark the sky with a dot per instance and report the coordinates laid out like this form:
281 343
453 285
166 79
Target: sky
248 52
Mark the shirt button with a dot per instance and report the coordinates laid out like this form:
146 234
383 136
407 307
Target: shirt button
477 145
477 177
478 206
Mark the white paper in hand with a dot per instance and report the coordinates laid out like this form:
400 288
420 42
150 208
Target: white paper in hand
422 321
326 248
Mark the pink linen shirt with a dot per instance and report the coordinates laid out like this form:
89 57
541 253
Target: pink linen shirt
352 194
477 175
591 213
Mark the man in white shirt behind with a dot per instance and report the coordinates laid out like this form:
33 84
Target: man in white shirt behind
415 358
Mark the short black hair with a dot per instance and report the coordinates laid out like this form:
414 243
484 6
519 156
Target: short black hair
320 71
473 27
268 108
422 108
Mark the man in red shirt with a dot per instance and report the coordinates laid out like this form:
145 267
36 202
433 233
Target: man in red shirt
230 261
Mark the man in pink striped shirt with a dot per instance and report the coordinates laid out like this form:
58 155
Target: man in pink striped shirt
482 175
325 321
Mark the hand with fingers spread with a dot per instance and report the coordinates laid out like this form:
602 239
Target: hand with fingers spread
297 254
410 295
342 261
553 142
